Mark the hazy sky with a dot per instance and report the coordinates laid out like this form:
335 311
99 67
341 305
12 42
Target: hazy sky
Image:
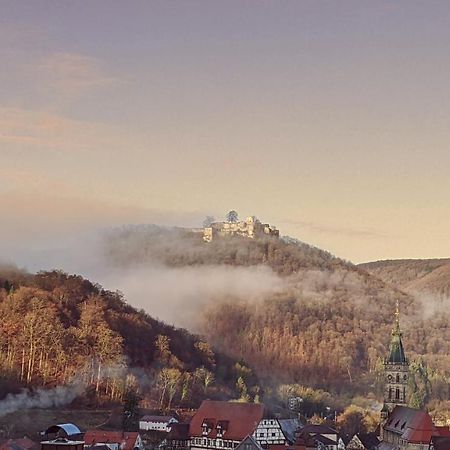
329 119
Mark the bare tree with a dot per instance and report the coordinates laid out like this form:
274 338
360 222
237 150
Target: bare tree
209 220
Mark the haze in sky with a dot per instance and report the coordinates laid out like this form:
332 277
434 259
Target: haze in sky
328 119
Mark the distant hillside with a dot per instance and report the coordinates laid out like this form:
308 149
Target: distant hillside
328 326
414 275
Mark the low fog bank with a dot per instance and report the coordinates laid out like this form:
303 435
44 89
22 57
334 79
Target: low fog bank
179 295
433 304
175 295
157 269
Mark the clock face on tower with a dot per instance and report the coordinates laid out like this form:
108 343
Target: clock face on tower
390 377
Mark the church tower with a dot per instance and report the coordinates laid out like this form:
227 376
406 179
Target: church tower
396 368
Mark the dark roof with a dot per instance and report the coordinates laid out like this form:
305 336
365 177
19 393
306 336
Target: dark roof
249 440
285 447
318 429
310 438
178 431
243 418
69 429
396 351
289 427
369 440
441 442
324 439
387 446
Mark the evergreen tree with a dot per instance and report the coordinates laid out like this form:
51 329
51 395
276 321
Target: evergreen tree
130 414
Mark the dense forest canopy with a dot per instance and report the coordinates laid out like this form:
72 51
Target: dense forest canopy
55 328
328 326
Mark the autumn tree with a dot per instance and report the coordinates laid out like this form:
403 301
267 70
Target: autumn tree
419 384
355 419
205 377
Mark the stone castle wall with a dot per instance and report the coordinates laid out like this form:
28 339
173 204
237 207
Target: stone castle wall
250 227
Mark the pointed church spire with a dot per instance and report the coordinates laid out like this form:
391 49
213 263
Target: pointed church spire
396 329
396 369
396 352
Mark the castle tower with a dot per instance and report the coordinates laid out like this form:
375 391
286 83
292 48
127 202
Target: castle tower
396 368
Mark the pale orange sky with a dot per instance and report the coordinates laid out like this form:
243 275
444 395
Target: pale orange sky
327 119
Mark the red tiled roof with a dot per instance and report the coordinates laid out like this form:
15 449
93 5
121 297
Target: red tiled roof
413 425
128 439
14 444
242 418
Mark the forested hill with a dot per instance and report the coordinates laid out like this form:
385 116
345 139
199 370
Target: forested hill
179 247
426 276
56 328
327 326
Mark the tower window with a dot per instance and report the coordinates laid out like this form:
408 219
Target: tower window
398 378
397 394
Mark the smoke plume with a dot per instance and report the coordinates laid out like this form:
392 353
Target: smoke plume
40 398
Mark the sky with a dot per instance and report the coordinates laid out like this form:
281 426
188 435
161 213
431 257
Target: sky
328 119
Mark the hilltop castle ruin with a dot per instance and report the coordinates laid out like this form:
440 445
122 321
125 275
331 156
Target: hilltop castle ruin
251 227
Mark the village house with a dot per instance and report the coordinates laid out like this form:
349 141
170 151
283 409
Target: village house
363 441
271 431
408 429
156 423
320 437
66 430
222 425
113 440
249 443
62 443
